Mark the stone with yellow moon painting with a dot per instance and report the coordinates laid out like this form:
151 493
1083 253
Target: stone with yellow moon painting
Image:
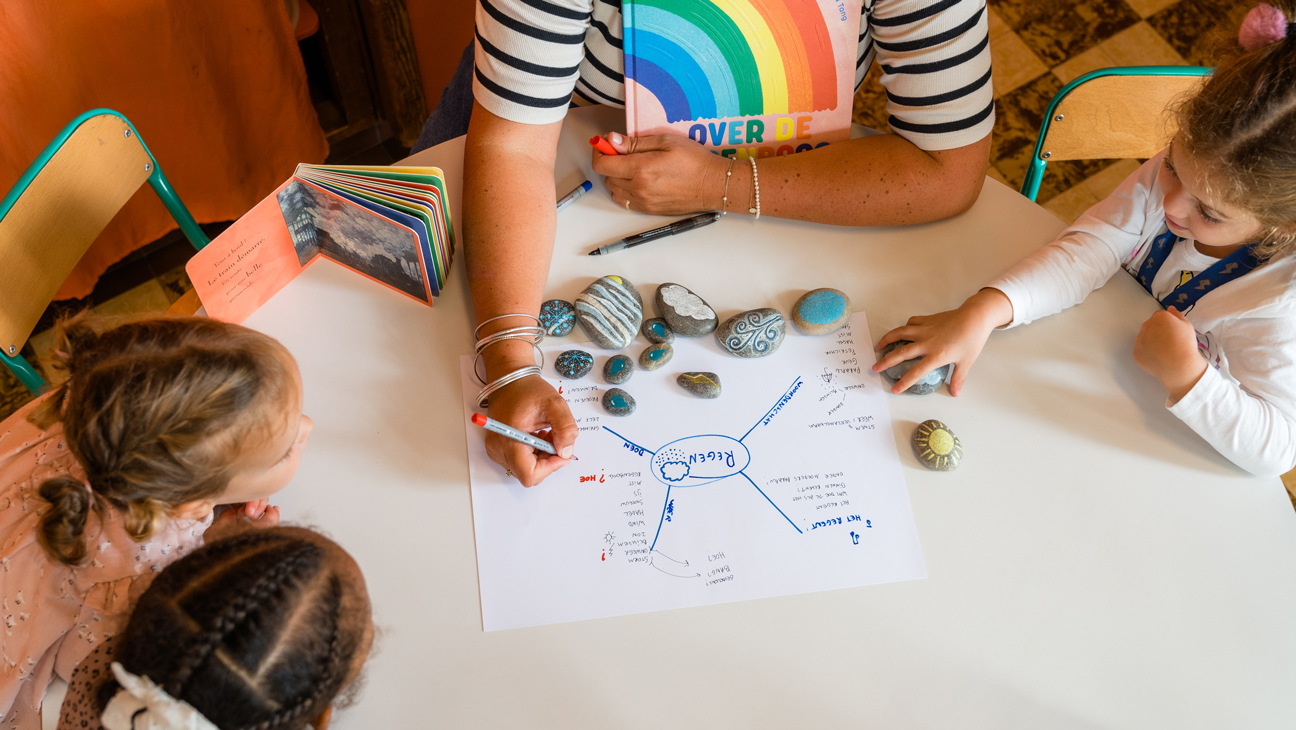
936 446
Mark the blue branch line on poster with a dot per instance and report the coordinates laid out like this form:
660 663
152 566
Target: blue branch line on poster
677 472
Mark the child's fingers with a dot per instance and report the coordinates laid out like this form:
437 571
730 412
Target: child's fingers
959 376
919 371
899 355
269 518
908 332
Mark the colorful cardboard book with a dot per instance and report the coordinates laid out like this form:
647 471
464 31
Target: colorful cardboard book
390 224
746 78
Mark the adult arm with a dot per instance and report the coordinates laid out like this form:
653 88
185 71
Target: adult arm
934 59
873 181
509 222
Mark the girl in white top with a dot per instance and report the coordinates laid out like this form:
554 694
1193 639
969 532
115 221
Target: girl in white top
1208 226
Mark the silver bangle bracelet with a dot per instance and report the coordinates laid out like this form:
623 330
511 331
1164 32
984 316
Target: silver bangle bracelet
477 329
482 348
483 397
535 334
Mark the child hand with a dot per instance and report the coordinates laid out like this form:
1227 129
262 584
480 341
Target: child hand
948 337
254 510
235 521
1166 347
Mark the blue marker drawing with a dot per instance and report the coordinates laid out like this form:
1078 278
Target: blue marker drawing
705 459
854 537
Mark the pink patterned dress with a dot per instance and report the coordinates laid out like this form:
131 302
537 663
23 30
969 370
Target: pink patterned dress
54 615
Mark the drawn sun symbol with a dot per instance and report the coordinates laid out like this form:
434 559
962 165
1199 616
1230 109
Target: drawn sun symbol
936 445
608 538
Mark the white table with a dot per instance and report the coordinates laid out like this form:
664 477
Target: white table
1093 563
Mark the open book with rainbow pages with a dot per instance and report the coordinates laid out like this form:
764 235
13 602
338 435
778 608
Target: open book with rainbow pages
745 78
390 224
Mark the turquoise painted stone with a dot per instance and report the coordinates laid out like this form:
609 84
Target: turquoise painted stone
610 311
656 331
821 311
703 385
617 402
929 384
656 356
618 369
755 333
574 364
557 317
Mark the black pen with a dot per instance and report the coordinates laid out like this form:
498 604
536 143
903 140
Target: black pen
670 229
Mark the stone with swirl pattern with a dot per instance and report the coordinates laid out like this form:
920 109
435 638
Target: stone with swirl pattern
754 333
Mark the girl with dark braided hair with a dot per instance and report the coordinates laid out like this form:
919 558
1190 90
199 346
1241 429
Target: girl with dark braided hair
257 631
117 472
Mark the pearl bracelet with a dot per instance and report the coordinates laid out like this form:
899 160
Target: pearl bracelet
724 201
755 190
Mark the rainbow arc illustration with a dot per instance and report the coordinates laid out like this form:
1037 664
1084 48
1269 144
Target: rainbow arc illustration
709 59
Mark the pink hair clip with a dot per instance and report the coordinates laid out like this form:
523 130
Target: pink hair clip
1264 24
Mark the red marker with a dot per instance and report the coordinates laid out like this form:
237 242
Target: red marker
602 145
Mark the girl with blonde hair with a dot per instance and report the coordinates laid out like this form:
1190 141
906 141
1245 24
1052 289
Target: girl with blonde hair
115 474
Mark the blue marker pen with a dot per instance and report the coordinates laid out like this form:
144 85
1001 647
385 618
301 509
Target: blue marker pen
507 431
571 197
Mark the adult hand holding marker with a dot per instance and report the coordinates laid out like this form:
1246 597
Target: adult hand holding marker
668 174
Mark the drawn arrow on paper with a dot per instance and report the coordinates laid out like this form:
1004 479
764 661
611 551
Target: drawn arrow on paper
673 560
673 575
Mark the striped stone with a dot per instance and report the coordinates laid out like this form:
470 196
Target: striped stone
610 311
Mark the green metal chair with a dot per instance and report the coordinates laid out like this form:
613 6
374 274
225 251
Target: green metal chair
1111 113
58 208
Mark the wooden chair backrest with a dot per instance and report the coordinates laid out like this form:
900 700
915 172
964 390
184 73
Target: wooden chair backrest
64 208
1111 117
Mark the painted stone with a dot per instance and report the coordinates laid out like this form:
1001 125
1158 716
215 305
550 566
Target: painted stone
656 356
928 384
656 331
755 333
703 385
574 364
936 446
684 311
821 311
617 402
610 311
557 317
618 369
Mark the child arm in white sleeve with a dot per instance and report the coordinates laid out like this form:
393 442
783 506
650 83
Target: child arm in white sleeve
1085 255
1252 422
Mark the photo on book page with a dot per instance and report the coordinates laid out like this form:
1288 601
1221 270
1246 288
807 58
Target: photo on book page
323 223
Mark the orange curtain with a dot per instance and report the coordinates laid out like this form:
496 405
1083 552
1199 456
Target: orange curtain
217 91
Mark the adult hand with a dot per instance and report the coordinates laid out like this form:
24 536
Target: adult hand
1166 347
664 174
235 520
948 337
531 405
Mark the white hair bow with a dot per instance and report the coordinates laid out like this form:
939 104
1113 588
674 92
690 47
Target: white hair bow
142 705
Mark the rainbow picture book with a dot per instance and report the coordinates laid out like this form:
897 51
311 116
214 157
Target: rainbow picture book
745 78
389 224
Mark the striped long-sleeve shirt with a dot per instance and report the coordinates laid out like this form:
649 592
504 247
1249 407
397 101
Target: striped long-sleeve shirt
535 58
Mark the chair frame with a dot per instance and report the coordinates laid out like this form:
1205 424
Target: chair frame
16 363
1039 159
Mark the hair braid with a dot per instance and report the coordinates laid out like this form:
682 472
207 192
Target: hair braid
271 583
156 412
323 688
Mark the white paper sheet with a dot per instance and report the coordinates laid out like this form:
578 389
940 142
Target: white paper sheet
787 483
